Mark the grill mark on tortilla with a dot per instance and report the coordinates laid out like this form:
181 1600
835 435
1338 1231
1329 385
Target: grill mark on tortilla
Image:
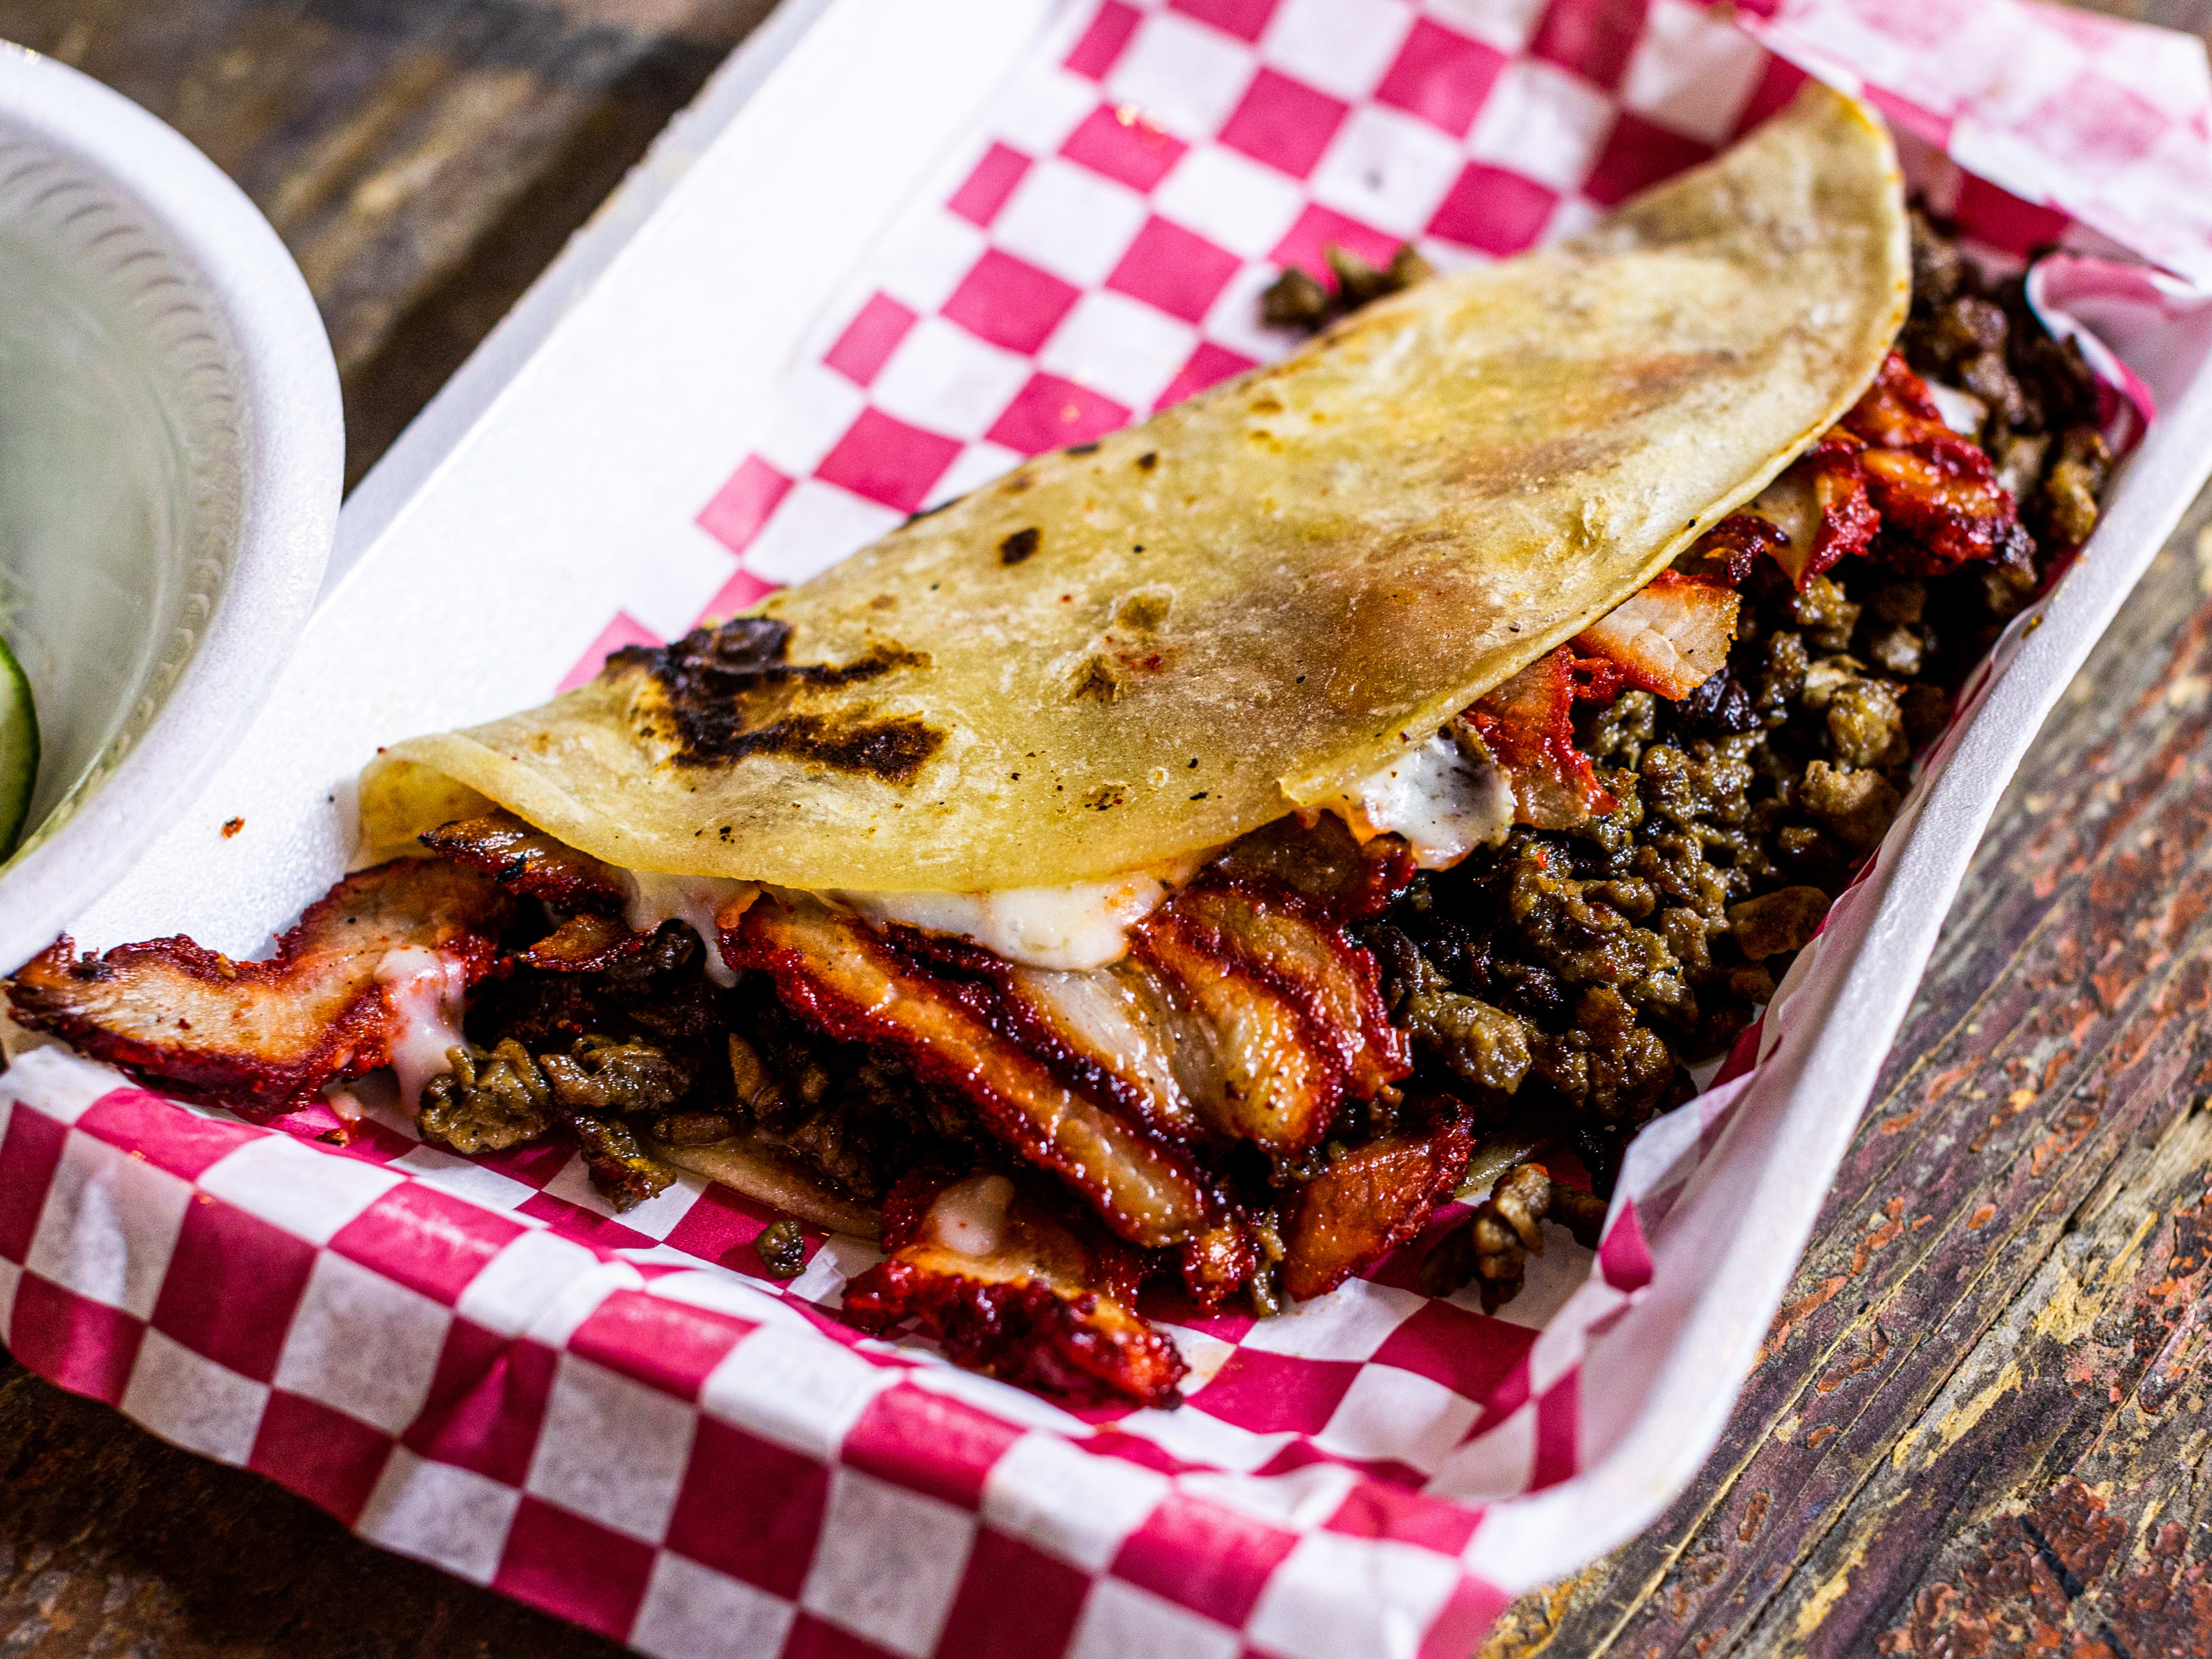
727 693
895 750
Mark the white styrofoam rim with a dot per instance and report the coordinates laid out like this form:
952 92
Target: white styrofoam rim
292 467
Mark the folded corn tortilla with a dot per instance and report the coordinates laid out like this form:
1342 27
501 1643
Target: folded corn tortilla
1132 651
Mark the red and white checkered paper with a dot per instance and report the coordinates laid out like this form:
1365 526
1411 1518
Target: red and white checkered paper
621 1419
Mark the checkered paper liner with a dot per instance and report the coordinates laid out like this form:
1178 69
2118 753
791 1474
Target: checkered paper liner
620 1418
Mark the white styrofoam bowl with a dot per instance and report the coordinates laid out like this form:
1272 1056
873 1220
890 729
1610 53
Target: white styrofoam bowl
171 456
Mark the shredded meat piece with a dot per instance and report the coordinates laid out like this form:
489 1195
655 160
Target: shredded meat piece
1935 488
693 1129
1725 555
487 1101
604 1074
621 1168
1297 301
1584 939
1334 877
1606 1064
529 862
265 1035
1372 1199
1015 1284
1777 923
1857 806
1297 1016
2070 487
1484 1045
585 944
1844 520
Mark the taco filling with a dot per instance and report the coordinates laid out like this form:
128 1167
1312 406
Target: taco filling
1066 953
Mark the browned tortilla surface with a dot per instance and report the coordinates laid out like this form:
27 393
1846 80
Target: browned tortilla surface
1132 650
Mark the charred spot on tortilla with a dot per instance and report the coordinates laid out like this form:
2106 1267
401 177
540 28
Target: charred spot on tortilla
893 749
1020 544
1083 449
1145 610
1098 678
728 692
932 512
747 655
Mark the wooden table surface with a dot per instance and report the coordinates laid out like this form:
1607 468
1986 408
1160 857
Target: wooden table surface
1976 1430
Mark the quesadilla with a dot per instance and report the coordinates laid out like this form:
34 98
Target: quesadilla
1195 855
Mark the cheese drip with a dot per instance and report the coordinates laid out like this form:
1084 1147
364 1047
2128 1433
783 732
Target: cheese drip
1444 802
427 993
655 898
1067 928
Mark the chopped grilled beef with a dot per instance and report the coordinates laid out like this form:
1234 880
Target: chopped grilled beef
1492 1246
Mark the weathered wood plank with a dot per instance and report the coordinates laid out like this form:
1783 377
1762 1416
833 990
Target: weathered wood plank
112 1543
1977 1426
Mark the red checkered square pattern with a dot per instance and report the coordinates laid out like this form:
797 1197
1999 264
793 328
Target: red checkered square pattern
624 1420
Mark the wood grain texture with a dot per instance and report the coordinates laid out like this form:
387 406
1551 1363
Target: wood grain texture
112 1543
423 160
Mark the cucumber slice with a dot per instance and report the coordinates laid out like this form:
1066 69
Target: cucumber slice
19 749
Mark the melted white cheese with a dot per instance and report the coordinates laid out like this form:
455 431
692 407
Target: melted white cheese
1962 411
1444 804
1084 925
969 1218
655 898
427 992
